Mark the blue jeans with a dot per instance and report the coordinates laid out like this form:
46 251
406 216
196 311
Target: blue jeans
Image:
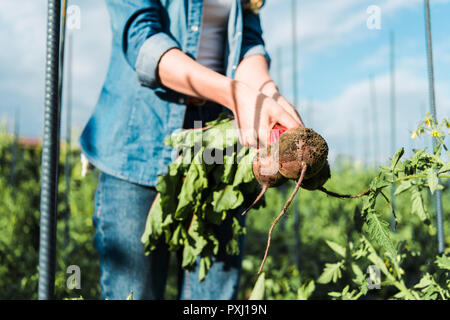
121 210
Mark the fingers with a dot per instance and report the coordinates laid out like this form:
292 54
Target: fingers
263 136
273 114
293 112
286 120
290 109
246 137
250 139
258 137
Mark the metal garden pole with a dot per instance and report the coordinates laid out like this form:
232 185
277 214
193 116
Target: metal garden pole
393 117
50 155
393 107
438 194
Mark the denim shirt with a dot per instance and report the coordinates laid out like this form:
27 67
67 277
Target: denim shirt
135 112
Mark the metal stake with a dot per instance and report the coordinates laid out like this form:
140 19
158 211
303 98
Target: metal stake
393 118
438 193
50 155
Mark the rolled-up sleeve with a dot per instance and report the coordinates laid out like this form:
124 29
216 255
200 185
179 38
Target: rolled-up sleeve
145 40
252 40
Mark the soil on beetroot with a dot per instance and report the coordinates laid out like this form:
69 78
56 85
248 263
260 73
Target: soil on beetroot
298 147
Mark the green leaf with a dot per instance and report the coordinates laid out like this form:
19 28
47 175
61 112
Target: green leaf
229 169
184 139
417 205
378 230
232 247
425 281
153 227
396 158
169 185
195 181
443 262
403 186
332 272
417 155
227 199
357 271
258 289
221 136
244 172
306 290
444 168
189 255
379 182
224 117
432 180
205 264
174 242
336 248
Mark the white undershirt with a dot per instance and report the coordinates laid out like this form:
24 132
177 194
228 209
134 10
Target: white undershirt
213 34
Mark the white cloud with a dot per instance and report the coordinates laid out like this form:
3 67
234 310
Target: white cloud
323 24
346 121
22 60
326 23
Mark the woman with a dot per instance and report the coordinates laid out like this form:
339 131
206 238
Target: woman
173 62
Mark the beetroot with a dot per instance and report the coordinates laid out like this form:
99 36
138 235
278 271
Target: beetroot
300 154
300 147
318 180
265 168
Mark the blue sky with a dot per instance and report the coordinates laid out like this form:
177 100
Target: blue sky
336 55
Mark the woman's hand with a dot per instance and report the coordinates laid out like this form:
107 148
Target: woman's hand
254 72
270 89
256 114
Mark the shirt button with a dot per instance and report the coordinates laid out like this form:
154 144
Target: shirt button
234 67
194 28
181 101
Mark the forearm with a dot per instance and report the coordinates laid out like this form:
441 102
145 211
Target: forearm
254 71
253 111
179 72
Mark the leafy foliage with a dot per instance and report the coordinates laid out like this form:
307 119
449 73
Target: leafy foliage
203 187
330 231
406 259
19 225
